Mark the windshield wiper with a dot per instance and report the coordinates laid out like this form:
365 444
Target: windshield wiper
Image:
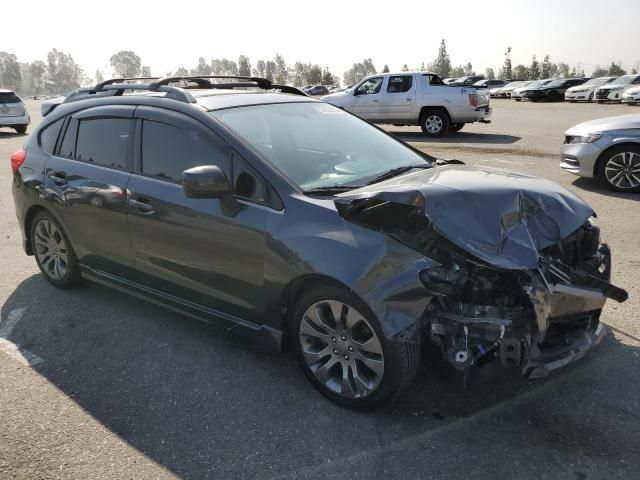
331 190
395 172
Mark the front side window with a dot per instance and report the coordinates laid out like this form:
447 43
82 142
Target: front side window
104 141
317 145
167 151
400 84
370 87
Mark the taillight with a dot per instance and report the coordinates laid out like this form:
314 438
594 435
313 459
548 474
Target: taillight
17 159
473 99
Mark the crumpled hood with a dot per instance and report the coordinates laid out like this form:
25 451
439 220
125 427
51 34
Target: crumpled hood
502 217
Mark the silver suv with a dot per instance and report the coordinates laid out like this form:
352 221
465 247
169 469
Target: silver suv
13 112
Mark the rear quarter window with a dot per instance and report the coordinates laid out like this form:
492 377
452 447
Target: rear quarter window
49 136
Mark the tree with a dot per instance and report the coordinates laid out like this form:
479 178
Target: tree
545 68
125 64
442 64
10 76
244 66
260 69
270 70
457 72
534 69
145 71
616 70
37 71
505 72
313 75
385 69
489 74
181 72
599 72
327 77
358 71
203 68
99 77
223 66
281 75
468 69
563 70
63 74
405 68
520 72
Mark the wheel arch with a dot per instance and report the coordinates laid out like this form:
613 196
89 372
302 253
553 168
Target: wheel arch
615 146
439 108
28 220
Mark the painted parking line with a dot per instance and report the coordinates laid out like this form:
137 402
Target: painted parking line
7 325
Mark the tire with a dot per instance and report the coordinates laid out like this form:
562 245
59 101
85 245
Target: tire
590 99
517 99
456 127
20 128
376 372
54 254
619 169
434 123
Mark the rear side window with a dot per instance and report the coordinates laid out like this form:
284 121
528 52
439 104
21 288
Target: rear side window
399 84
433 79
167 151
104 141
9 97
68 144
49 135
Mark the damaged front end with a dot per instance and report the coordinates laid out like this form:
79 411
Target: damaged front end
524 282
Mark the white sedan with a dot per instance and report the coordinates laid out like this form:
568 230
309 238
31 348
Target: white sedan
612 92
586 91
631 95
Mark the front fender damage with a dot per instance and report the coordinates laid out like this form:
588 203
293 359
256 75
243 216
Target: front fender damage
526 290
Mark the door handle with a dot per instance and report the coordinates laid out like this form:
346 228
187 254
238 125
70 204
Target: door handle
143 207
409 99
59 178
376 100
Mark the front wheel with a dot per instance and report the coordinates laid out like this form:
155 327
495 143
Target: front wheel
619 169
343 352
434 123
590 99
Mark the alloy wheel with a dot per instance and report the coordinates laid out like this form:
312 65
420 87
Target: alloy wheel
341 349
51 249
433 124
623 170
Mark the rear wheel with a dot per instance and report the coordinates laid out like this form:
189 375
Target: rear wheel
343 352
20 128
54 255
434 123
619 169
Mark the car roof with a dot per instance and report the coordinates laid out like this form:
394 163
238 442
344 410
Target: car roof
217 99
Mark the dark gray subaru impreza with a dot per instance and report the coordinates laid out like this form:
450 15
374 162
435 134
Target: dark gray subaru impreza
249 204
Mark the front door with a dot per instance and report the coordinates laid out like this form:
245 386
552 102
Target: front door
188 247
398 100
85 182
364 100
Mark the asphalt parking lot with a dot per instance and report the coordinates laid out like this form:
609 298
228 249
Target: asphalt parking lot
106 386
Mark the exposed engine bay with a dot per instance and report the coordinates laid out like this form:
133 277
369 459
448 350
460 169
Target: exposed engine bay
536 316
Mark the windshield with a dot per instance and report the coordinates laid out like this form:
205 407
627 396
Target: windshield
624 80
556 83
318 145
596 81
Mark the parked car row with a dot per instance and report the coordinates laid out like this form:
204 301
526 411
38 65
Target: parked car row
624 89
13 113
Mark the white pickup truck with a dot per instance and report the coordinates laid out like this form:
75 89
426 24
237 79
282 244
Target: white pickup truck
414 98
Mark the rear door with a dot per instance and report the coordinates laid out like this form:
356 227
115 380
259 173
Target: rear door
85 182
364 101
187 247
397 100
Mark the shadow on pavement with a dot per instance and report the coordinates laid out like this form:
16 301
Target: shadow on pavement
11 134
458 138
207 404
593 185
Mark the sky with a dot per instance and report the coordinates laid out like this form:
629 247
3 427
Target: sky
169 35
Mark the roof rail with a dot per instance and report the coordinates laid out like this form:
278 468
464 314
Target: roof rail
202 82
111 81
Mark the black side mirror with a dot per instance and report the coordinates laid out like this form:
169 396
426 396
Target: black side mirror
208 181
